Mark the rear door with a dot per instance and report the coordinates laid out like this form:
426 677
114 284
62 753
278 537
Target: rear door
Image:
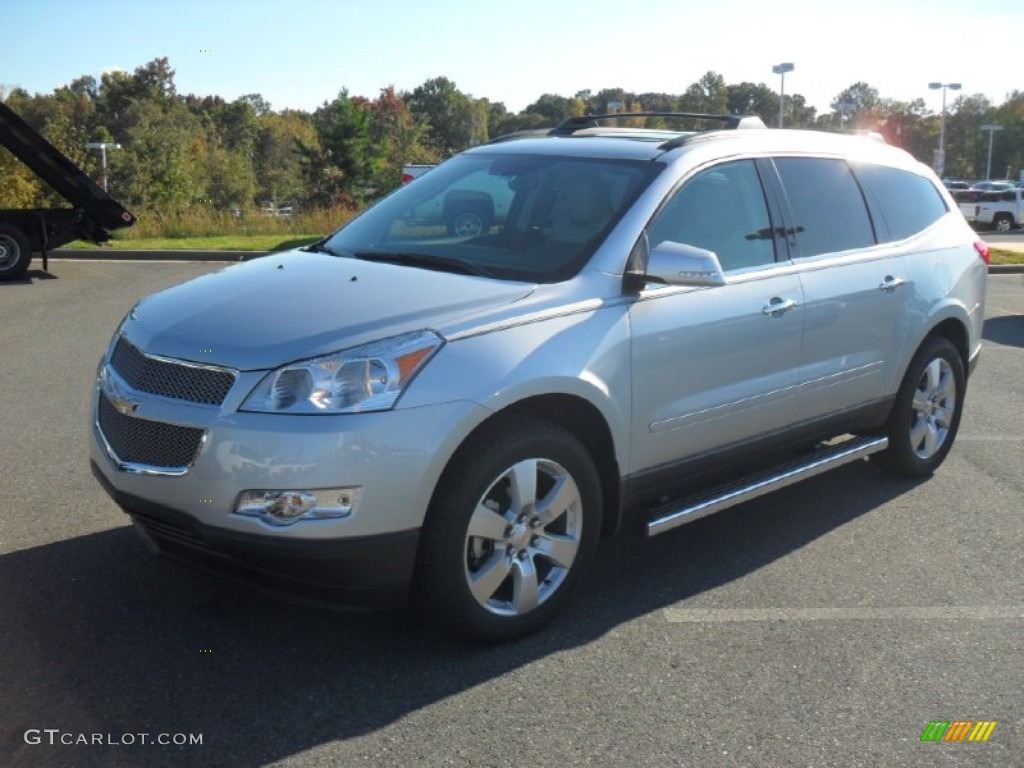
855 286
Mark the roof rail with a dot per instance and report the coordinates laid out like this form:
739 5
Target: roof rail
571 125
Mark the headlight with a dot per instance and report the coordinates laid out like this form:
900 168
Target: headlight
366 378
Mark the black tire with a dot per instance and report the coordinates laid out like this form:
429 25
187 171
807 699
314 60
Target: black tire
524 564
15 252
926 414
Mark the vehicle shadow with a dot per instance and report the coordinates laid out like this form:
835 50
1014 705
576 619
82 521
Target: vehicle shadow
1006 329
30 276
101 637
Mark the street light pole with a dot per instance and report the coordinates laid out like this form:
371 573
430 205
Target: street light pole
991 133
940 157
102 147
844 108
781 70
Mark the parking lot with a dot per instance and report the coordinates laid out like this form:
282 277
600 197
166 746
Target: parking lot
824 625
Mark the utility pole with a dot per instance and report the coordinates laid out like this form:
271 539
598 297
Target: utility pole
991 133
103 147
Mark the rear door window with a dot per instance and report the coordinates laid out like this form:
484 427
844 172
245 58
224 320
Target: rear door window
908 203
826 204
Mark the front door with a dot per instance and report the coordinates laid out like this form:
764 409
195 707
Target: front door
716 366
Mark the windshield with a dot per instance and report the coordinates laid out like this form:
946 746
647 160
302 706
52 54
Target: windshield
536 218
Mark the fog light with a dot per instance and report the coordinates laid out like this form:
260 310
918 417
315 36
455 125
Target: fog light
287 507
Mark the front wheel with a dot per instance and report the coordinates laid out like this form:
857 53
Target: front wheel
513 526
926 414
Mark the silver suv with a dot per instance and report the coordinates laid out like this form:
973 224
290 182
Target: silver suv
661 325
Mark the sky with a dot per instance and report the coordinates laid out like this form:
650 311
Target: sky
300 53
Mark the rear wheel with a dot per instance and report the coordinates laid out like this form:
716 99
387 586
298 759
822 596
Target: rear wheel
15 252
1003 222
926 414
467 224
513 526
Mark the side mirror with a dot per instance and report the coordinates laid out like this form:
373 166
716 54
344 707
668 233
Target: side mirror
681 264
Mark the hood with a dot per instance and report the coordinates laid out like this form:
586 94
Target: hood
290 306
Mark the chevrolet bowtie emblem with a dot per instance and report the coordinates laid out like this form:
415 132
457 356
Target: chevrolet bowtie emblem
123 404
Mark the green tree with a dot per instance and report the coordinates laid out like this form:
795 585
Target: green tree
447 113
278 158
340 170
552 106
708 95
1008 144
158 165
752 99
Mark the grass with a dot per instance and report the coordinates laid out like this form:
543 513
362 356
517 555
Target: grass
203 229
211 243
1005 256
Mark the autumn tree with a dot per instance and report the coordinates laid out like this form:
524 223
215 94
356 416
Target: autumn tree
398 137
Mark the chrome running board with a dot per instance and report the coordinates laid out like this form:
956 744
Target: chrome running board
695 507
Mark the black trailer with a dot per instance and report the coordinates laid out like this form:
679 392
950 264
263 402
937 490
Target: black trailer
38 230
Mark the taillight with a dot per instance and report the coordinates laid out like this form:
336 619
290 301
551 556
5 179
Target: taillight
407 177
982 248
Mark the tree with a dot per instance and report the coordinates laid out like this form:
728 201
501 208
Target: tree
398 138
447 113
341 169
1008 144
708 95
278 158
752 99
158 166
966 143
555 108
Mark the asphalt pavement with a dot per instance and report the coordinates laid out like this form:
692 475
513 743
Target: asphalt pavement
824 625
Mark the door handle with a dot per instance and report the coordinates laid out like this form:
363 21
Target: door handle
890 283
777 306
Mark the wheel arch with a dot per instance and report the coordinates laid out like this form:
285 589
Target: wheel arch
956 332
585 422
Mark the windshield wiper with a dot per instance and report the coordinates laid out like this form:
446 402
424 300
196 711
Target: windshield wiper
426 260
321 247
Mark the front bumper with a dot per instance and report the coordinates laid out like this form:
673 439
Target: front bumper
365 571
394 457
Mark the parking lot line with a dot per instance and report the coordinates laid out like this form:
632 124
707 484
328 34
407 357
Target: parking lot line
851 613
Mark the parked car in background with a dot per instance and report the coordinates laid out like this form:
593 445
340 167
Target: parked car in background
955 184
470 207
654 326
410 172
992 186
1002 210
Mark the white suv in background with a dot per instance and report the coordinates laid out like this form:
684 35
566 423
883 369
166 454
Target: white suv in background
661 324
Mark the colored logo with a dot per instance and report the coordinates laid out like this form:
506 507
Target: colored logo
958 730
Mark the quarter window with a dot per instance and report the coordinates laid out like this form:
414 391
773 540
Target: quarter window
828 208
908 203
722 210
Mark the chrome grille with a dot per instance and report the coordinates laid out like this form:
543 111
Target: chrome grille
178 380
152 443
